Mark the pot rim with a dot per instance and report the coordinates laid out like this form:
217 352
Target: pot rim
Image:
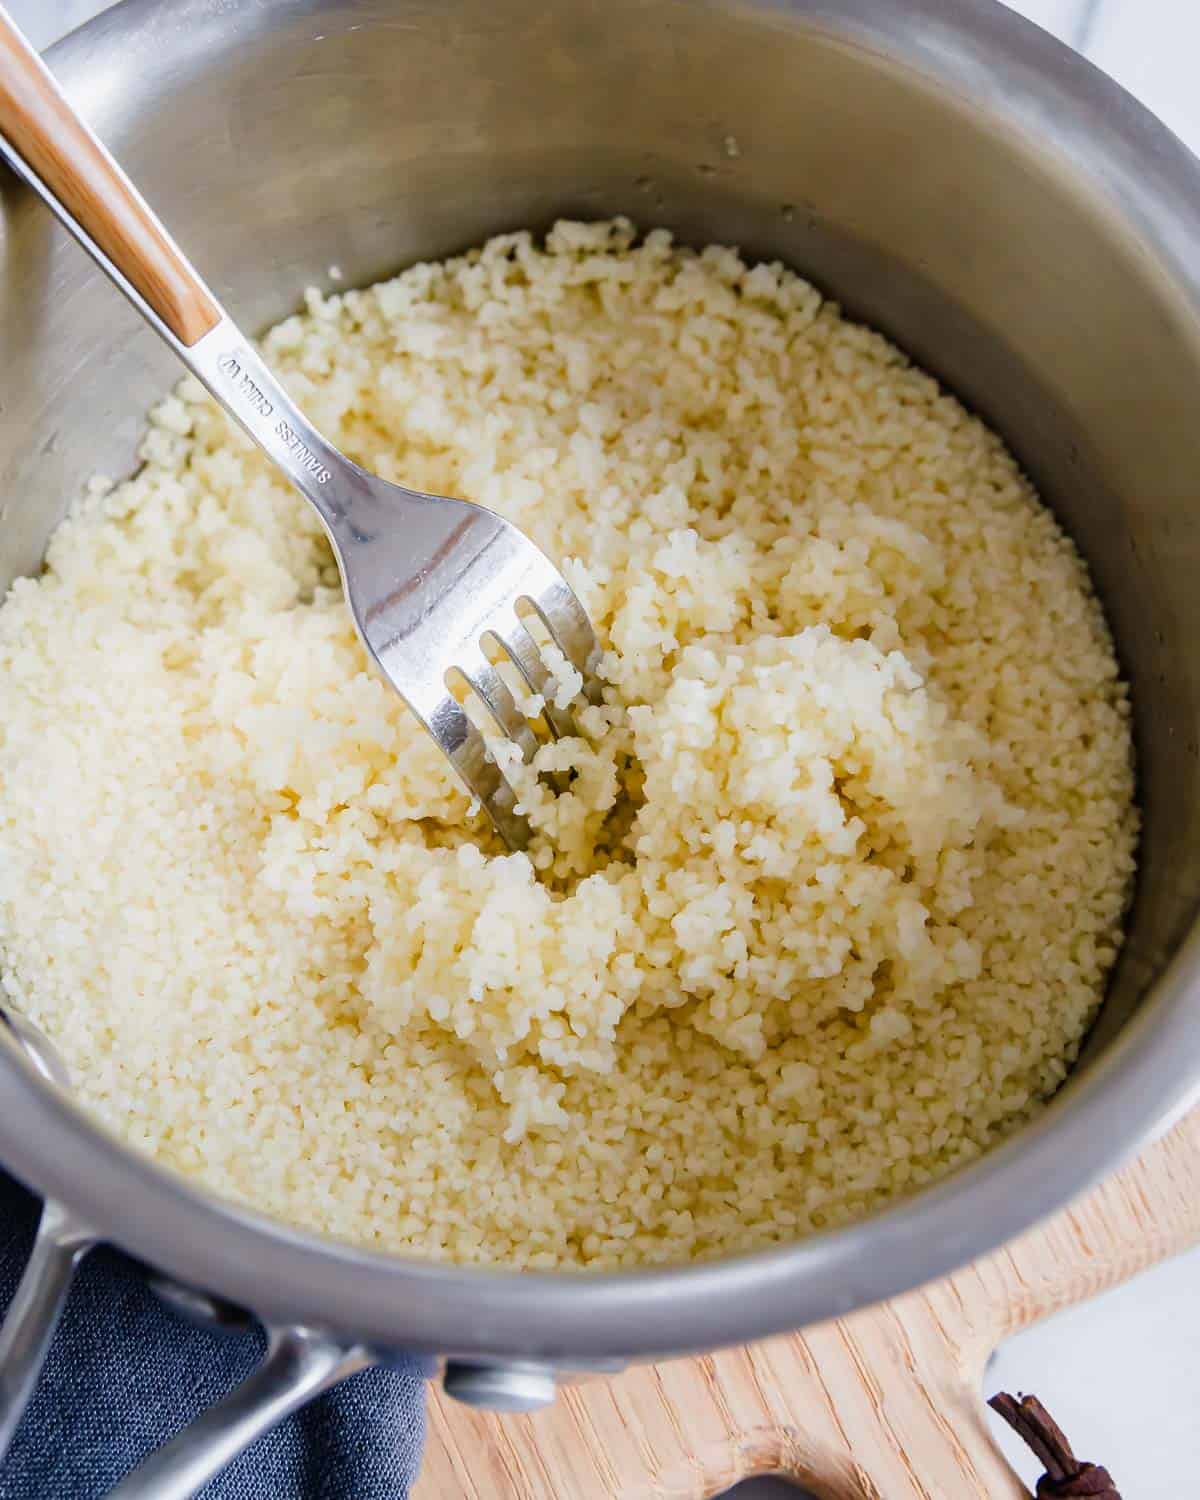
1151 1071
394 1303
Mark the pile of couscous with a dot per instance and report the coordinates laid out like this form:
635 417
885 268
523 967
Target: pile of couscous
828 893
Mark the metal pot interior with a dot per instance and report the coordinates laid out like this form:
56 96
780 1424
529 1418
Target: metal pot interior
1012 220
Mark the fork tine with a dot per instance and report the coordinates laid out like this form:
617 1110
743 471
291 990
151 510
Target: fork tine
523 650
502 706
463 745
565 618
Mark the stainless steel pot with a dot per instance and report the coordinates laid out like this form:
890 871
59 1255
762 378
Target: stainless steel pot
948 171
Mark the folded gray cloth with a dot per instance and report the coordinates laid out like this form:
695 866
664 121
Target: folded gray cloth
125 1373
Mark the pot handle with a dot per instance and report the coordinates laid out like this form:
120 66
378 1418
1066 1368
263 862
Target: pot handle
61 1243
299 1364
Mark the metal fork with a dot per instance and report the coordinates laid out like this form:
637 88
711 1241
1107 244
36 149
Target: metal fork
441 590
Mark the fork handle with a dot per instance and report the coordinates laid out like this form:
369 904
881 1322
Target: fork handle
55 152
62 156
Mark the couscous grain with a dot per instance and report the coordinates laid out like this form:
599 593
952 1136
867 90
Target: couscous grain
826 908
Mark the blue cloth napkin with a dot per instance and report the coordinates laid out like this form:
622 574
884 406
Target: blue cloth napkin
125 1373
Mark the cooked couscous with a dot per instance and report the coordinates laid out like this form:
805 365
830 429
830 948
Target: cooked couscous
825 907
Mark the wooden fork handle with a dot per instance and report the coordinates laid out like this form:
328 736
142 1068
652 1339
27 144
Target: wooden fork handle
71 166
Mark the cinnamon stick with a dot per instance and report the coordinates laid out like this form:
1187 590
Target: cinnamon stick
1066 1477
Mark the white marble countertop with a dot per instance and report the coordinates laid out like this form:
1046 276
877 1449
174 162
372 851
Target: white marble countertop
1110 1366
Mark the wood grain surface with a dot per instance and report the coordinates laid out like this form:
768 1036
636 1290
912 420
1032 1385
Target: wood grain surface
884 1405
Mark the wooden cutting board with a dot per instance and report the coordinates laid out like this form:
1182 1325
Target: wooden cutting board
884 1405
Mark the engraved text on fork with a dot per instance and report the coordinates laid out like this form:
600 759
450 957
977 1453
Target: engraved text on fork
303 454
229 364
255 397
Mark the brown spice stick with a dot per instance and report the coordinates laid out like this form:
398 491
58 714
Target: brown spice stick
1066 1478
